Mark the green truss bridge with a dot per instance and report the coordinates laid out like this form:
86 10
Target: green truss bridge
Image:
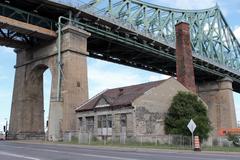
133 33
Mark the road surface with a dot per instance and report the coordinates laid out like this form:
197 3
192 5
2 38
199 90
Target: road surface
27 151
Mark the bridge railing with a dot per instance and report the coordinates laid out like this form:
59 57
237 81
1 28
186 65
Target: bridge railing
92 9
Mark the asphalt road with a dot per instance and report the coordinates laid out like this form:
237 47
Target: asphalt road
22 151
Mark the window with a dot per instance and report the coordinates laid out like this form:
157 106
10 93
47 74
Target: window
123 120
105 125
109 121
90 124
80 122
105 121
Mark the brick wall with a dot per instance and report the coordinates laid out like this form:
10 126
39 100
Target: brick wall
184 61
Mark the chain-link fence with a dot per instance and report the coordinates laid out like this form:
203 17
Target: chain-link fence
165 141
153 141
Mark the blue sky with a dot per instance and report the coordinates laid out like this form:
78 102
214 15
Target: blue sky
102 75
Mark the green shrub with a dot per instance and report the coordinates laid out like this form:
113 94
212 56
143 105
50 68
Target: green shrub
184 107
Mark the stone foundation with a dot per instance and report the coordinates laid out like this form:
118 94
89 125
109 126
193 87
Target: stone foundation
218 95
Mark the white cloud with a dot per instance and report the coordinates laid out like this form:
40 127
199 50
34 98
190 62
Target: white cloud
3 77
237 110
104 75
237 113
47 92
186 4
237 33
195 4
192 4
5 95
157 77
5 50
3 122
237 104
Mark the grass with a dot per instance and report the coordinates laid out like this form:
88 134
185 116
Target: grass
222 149
133 144
129 145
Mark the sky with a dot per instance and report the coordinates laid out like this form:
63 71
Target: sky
103 75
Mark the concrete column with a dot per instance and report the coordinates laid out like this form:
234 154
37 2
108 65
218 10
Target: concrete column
74 83
27 116
84 120
134 123
184 61
130 124
218 95
95 124
115 125
27 112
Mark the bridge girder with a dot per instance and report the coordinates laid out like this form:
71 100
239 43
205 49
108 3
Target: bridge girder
211 36
21 29
150 29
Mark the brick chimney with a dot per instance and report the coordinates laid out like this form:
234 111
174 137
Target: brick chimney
184 60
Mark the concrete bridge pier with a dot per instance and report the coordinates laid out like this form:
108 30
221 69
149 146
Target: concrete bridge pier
218 95
27 112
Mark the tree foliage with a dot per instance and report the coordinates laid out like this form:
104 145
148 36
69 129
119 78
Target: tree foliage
235 139
184 107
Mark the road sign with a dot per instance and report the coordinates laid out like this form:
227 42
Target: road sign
191 126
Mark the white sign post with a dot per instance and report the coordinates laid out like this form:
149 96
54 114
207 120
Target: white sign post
192 126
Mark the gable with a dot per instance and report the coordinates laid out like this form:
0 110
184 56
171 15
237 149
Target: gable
158 99
102 103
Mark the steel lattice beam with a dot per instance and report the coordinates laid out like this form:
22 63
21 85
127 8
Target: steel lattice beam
211 36
147 32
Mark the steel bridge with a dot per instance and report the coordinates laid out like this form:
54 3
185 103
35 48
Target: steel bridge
129 32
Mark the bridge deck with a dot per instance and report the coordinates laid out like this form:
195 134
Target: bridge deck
118 51
26 29
43 8
12 43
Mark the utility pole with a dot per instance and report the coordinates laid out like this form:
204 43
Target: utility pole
6 129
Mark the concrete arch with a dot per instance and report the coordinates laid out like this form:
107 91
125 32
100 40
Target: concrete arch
27 116
38 70
36 92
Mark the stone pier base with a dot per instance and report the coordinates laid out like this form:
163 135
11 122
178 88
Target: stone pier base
218 95
27 112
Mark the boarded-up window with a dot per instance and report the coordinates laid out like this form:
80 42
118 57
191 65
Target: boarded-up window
105 121
105 125
123 120
90 124
80 121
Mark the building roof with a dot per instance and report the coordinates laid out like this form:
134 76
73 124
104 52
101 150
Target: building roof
118 97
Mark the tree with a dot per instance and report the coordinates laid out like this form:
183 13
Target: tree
235 139
184 107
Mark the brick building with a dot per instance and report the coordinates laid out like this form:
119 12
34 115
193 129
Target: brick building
129 111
